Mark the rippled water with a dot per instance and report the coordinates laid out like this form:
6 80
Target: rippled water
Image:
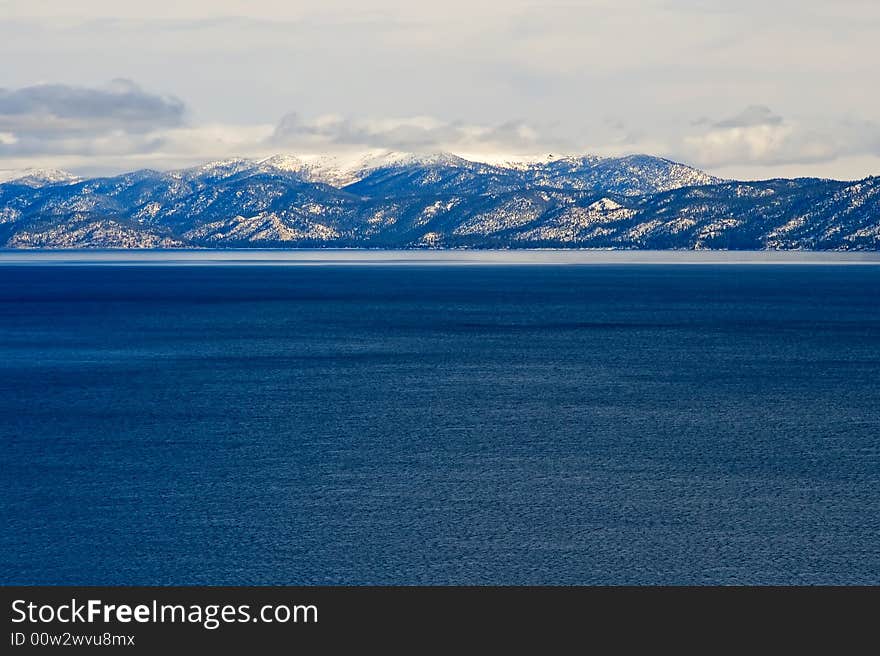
614 423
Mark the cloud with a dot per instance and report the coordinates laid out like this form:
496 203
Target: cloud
751 116
121 126
418 134
51 118
759 136
572 62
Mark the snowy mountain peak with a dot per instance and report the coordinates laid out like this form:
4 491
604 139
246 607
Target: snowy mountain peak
284 163
43 177
310 168
342 170
214 170
399 200
397 158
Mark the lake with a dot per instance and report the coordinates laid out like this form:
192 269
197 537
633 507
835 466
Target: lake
500 421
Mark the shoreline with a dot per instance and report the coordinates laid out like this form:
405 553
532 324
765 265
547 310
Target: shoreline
367 257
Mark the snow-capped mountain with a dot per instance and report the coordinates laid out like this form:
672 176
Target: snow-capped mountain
41 177
632 175
401 200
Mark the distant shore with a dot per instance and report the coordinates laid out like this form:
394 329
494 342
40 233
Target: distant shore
135 257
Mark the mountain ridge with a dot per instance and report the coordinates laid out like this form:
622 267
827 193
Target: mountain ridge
406 200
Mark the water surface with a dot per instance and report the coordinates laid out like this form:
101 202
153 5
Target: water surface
513 424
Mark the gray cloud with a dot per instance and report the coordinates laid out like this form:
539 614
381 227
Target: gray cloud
751 116
416 134
568 65
65 118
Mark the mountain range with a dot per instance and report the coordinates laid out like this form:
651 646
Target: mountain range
400 200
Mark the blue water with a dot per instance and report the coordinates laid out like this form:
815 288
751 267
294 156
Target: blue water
611 424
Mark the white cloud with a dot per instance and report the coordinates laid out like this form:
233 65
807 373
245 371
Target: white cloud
759 136
561 68
417 134
120 126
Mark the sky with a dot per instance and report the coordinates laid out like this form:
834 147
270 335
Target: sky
748 89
